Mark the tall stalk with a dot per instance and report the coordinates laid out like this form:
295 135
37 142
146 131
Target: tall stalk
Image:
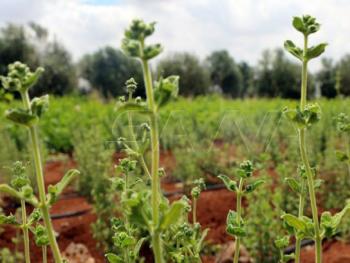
44 207
300 215
305 160
134 45
156 240
25 231
239 215
235 224
304 117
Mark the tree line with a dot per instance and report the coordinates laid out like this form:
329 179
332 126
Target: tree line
106 70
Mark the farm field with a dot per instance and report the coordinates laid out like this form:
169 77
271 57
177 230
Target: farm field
200 138
123 155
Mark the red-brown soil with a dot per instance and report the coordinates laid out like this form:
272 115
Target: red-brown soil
333 252
212 210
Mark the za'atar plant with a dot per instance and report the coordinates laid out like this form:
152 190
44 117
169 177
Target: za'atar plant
20 79
343 127
235 224
304 116
161 215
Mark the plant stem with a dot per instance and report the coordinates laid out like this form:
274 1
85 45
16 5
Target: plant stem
136 146
303 152
300 214
44 250
156 240
239 212
25 232
194 211
41 185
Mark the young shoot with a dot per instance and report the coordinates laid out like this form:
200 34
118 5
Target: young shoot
199 186
235 224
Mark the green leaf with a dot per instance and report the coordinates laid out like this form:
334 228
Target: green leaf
55 190
4 188
298 24
152 51
166 89
8 220
235 225
173 214
293 49
329 223
315 51
133 107
253 186
40 105
138 246
131 47
230 184
113 258
32 78
342 156
282 242
294 185
288 258
22 117
294 222
318 183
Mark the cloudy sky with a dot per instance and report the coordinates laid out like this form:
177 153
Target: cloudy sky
244 27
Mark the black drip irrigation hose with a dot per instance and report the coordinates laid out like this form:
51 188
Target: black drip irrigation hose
71 214
303 243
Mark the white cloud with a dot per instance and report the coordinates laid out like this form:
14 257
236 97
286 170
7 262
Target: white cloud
244 27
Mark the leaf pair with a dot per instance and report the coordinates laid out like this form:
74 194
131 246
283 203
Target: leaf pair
303 227
304 118
166 90
55 190
234 225
311 52
329 224
31 117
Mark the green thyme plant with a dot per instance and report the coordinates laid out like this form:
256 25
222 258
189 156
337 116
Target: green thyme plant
199 186
20 79
343 127
235 224
282 243
148 216
304 116
262 215
299 187
134 45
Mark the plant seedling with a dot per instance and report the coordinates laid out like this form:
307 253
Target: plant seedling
235 225
199 186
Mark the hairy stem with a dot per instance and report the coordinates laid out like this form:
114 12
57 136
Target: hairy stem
25 232
44 250
305 160
41 185
239 213
300 214
156 239
194 211
136 146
